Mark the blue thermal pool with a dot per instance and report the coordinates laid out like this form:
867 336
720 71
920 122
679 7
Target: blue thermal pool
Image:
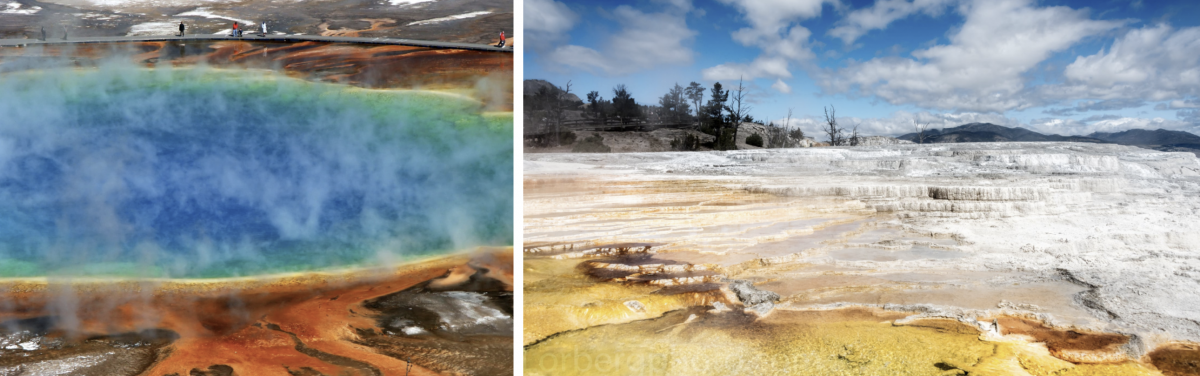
200 173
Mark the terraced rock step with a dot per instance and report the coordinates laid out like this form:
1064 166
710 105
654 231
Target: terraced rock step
566 251
1092 245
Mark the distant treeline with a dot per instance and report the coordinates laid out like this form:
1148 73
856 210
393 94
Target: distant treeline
550 111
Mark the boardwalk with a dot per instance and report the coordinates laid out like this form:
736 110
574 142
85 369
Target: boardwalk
256 38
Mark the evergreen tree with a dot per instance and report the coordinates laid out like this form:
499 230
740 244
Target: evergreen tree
716 123
674 105
624 105
596 106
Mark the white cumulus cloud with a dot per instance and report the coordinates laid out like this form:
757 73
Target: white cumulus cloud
774 28
884 12
781 86
1152 63
983 67
646 40
548 16
774 67
547 22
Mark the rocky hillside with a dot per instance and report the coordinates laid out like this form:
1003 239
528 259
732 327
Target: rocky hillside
532 86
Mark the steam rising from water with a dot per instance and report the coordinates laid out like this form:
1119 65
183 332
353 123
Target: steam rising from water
209 173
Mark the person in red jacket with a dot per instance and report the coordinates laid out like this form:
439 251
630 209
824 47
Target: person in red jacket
235 30
501 45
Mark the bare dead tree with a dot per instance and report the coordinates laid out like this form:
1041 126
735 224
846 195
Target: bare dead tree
793 133
777 135
831 127
920 131
785 134
780 137
787 124
854 139
560 102
738 109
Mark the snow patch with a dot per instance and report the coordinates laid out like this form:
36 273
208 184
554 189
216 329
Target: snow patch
109 4
153 29
15 8
450 18
95 16
413 330
203 12
408 2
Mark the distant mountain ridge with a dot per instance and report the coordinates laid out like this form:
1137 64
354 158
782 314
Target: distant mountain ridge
1148 137
1158 139
988 132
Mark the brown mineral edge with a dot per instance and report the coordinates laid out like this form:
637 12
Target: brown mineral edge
450 315
1177 359
485 76
1070 345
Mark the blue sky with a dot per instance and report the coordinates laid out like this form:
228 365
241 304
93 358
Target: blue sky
1065 67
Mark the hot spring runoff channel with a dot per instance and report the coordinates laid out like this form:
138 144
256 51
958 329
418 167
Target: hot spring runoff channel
212 173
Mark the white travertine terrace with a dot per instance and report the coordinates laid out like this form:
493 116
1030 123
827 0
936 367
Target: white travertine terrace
1094 236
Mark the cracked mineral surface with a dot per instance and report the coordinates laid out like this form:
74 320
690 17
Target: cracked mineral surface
1050 258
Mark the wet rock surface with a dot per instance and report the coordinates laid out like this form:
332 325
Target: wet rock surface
38 346
750 295
465 328
480 306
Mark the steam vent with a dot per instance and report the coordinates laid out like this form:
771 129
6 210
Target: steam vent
947 259
277 205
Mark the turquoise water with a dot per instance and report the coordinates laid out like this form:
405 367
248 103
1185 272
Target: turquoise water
207 173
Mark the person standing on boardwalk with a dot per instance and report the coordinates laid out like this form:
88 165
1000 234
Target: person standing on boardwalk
264 29
501 45
181 29
235 30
